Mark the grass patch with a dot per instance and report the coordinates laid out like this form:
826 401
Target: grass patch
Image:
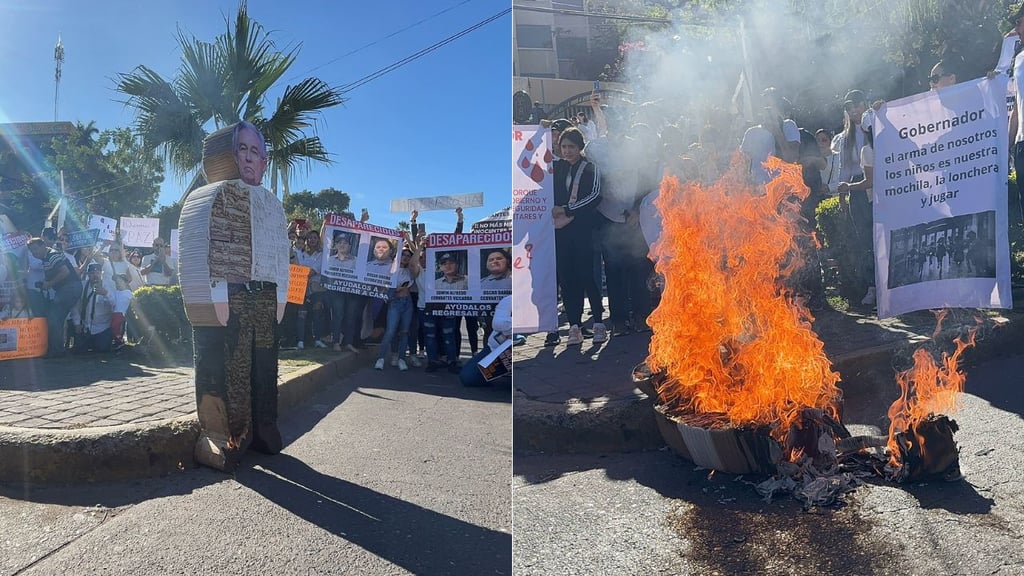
838 303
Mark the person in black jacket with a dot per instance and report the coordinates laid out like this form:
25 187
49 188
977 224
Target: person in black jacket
577 195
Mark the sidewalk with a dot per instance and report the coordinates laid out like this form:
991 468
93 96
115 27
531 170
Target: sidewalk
582 399
119 416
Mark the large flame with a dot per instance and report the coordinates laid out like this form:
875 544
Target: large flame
730 337
926 388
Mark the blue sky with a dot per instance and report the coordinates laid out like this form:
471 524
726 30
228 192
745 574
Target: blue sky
435 126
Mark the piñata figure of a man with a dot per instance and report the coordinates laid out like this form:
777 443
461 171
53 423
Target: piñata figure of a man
234 281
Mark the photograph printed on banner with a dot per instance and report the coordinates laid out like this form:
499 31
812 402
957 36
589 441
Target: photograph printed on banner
944 249
381 258
495 271
342 252
451 271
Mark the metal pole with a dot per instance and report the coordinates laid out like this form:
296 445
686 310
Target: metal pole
58 57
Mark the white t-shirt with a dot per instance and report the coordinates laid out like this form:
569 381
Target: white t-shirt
159 278
759 143
867 160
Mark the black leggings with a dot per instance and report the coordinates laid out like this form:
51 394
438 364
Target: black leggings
574 253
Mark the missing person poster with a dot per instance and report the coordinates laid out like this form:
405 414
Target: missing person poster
535 304
467 274
359 258
939 188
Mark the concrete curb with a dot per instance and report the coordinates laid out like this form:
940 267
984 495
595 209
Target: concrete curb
32 456
629 425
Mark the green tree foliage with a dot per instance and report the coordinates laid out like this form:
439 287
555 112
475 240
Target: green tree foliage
315 207
221 82
169 216
25 197
112 175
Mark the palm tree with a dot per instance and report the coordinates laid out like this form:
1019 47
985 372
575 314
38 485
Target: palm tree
220 83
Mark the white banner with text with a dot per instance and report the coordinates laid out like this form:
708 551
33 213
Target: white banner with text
534 287
359 258
467 274
940 204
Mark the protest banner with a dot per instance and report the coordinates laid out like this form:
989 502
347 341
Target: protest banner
174 243
297 282
12 242
500 220
535 300
106 226
467 274
438 202
359 258
940 205
1010 47
82 238
22 338
139 231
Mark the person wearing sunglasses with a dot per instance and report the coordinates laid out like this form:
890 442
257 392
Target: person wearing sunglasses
941 76
160 268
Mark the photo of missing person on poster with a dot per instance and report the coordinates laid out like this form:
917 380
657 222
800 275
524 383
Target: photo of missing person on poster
495 269
343 250
451 266
381 256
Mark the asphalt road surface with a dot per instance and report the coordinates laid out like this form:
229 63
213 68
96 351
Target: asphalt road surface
383 473
654 513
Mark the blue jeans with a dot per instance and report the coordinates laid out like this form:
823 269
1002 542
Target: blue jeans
399 318
470 375
315 303
448 328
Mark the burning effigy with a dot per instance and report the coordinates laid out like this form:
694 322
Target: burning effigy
741 382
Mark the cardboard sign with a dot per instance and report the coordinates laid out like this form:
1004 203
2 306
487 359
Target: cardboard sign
350 257
106 226
139 231
297 283
438 202
480 277
22 338
174 243
498 363
82 238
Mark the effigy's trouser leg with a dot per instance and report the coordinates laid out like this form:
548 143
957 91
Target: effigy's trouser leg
236 381
266 436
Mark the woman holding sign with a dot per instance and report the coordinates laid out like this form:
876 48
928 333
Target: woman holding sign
400 310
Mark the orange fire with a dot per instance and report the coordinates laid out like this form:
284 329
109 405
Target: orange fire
730 337
927 388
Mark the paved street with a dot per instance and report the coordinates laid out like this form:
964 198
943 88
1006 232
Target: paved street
383 473
654 513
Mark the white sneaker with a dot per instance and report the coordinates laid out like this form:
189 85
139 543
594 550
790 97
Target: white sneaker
379 365
300 345
600 333
319 344
415 362
401 365
575 336
394 360
869 297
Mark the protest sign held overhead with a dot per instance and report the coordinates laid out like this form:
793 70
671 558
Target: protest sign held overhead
106 226
535 304
939 187
438 202
359 258
139 231
467 274
82 238
500 220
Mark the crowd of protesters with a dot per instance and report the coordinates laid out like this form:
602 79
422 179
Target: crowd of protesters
607 173
84 293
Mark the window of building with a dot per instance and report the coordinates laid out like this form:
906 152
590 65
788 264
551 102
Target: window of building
571 47
534 36
567 4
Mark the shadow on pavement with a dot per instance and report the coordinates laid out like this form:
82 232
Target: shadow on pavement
996 386
420 540
116 494
42 374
